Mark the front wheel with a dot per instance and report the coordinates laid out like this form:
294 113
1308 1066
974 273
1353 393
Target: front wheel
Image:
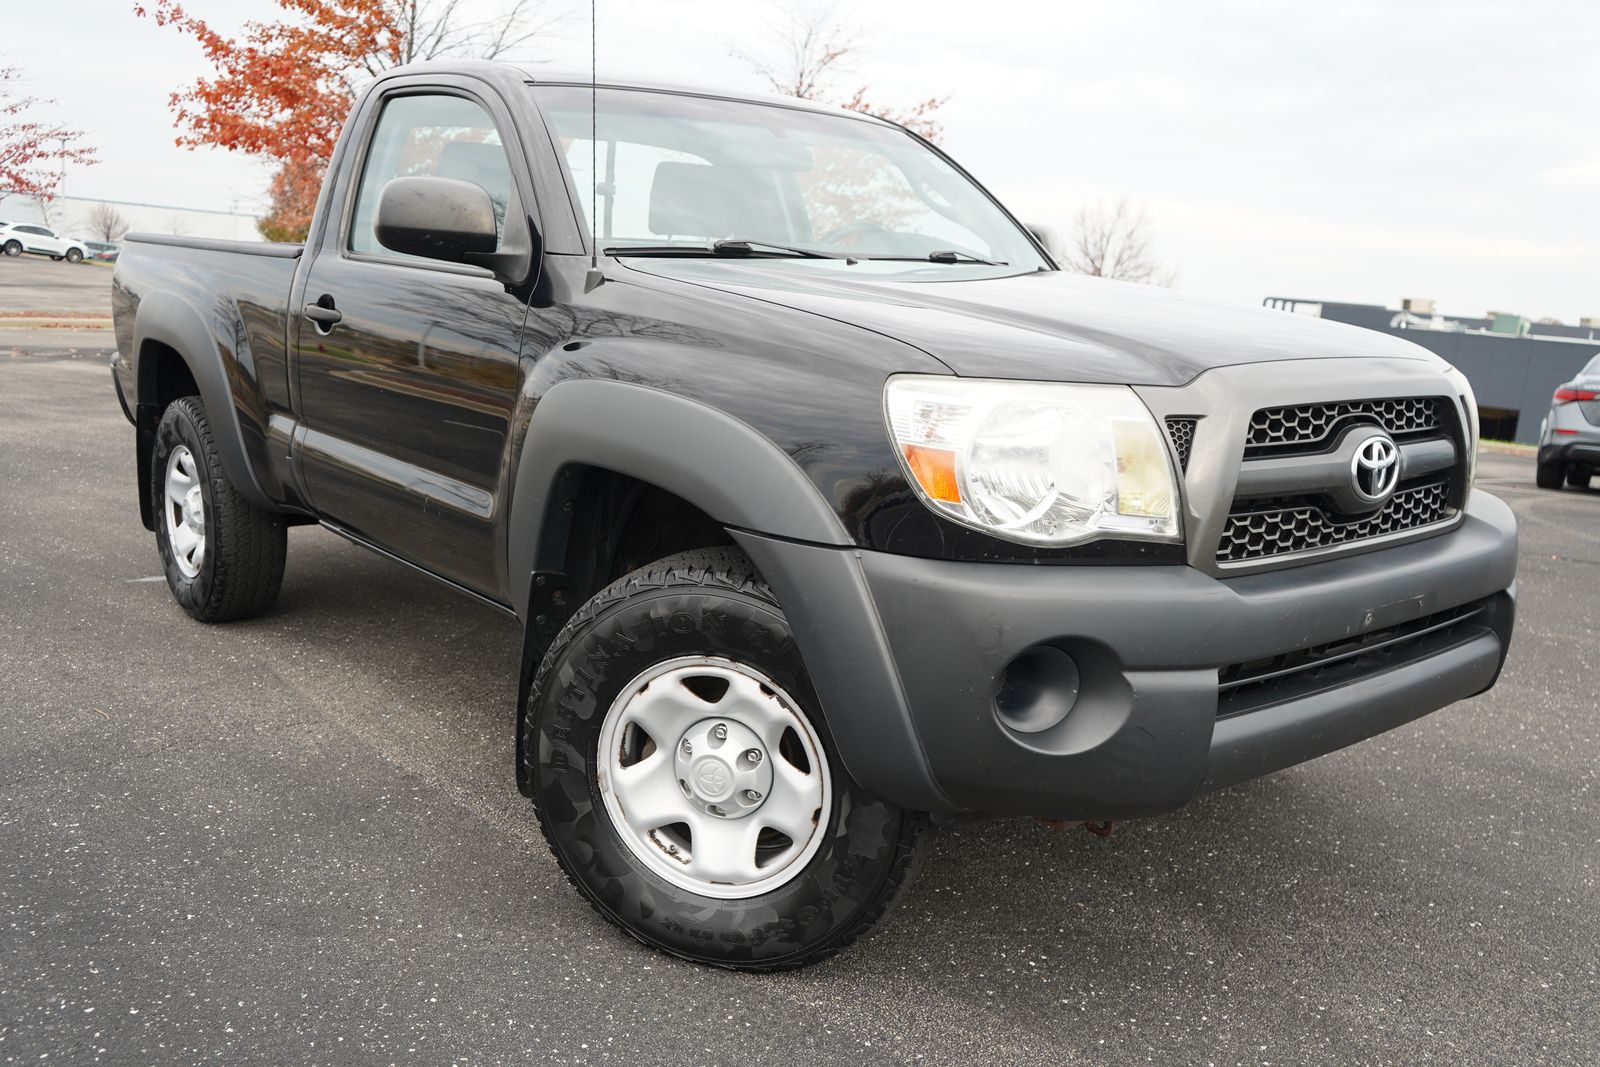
1549 475
223 555
74 256
687 784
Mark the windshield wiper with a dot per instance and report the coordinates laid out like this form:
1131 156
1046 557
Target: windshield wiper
739 246
952 256
944 256
726 247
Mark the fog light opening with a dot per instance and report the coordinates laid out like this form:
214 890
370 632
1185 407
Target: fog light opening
1037 689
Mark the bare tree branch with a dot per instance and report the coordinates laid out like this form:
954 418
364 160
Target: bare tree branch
431 29
516 27
106 223
806 52
803 53
1114 243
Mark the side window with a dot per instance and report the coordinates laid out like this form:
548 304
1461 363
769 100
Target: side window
431 135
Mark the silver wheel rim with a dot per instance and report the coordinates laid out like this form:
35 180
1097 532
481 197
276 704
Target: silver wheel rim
713 777
185 511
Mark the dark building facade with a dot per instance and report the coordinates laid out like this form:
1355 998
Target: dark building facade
1513 373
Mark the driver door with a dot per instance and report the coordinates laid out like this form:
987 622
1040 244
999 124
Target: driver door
408 367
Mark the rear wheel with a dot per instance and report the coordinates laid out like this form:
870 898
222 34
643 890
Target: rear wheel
223 555
1549 475
687 784
74 256
1578 477
13 248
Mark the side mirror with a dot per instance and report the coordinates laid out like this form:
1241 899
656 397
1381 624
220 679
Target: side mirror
436 218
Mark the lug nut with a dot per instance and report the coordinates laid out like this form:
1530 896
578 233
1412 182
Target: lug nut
720 732
688 749
752 795
753 756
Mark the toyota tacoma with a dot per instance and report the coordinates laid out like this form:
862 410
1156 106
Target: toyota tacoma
828 506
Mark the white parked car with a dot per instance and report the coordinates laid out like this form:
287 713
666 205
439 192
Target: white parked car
20 237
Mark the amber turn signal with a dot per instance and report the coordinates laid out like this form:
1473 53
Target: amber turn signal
935 471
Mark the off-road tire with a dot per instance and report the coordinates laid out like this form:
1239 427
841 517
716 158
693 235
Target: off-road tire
1549 475
242 568
710 602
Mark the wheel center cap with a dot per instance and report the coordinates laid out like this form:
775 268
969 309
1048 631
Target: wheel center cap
713 779
723 767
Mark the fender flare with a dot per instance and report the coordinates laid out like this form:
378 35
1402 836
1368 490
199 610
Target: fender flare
168 319
744 481
722 466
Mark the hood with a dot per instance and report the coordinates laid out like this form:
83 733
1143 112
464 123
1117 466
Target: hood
1049 325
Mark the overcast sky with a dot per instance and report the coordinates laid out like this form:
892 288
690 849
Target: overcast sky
1360 151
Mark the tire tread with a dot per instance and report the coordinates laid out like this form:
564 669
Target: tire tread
729 569
247 545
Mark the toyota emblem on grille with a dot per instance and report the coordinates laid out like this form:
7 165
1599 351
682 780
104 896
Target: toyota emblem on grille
1376 468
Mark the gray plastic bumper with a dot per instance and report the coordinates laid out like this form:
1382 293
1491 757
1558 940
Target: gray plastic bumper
1571 450
908 655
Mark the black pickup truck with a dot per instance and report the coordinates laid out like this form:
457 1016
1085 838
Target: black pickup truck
829 507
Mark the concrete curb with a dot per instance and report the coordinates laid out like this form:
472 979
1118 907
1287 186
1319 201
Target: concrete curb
46 321
1507 449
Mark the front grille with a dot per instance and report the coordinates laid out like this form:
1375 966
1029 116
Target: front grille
1306 426
1181 429
1273 529
1262 683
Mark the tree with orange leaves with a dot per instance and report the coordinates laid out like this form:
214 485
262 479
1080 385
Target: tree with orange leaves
32 153
282 89
293 196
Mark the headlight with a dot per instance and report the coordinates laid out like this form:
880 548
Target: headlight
1469 399
1039 463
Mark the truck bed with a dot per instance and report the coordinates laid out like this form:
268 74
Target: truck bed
275 249
225 305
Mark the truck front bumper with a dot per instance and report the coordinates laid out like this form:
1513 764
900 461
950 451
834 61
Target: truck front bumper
1179 681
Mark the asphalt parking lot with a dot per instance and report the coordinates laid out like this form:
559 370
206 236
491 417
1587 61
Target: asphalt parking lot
296 840
37 283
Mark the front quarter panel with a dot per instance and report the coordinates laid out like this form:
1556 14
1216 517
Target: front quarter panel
799 388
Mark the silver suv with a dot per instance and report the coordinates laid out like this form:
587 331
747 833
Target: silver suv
1569 438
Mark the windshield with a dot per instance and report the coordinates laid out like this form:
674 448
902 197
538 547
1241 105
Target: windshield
687 171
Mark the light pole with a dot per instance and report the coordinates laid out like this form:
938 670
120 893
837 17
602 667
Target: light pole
61 183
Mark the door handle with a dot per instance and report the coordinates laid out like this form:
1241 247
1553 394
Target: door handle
324 316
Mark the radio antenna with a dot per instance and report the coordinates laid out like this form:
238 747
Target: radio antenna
595 277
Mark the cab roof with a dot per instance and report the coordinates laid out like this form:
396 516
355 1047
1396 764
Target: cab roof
540 75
